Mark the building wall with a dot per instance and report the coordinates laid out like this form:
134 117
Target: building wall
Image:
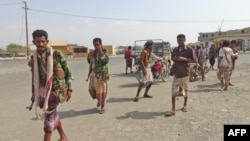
79 51
110 49
63 49
59 45
241 35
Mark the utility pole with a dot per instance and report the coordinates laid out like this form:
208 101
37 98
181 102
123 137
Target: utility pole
26 24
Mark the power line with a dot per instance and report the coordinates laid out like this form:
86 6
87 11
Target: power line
10 3
140 20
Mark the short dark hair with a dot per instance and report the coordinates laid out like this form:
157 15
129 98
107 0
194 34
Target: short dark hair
181 36
97 40
233 42
148 43
225 43
129 47
40 33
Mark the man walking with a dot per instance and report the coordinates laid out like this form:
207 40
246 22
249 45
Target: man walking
233 46
225 64
202 56
146 74
182 55
128 56
212 56
99 75
52 83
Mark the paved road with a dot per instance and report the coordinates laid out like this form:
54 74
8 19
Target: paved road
125 120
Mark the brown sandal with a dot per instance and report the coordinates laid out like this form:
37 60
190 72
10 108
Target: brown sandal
170 113
184 109
147 96
136 99
101 111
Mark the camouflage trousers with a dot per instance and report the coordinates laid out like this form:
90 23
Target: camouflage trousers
224 73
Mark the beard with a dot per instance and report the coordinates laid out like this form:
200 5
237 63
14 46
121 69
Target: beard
41 50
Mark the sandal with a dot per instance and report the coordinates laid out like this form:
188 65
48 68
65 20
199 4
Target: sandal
170 113
147 96
136 99
101 111
184 109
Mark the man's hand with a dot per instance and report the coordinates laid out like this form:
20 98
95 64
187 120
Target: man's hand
69 93
99 50
31 63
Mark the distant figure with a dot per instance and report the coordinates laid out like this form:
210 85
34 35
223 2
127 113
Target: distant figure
201 55
225 65
218 49
182 56
212 55
235 53
244 49
128 56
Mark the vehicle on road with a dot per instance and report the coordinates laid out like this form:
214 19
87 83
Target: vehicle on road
161 49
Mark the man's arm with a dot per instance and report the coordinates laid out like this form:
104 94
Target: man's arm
141 62
184 59
68 76
155 56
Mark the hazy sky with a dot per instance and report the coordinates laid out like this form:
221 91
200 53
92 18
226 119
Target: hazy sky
120 22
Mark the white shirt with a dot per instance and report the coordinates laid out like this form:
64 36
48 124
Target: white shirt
229 53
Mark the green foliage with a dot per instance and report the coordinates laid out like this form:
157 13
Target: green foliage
15 48
2 50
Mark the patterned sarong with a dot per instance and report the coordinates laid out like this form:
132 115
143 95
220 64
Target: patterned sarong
180 86
146 79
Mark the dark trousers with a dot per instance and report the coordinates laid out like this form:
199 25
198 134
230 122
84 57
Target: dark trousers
212 61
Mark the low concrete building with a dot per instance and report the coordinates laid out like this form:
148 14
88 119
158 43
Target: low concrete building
59 45
110 49
79 51
242 36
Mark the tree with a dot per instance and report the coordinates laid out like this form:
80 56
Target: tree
2 50
15 48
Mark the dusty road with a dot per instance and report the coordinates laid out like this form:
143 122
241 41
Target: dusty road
124 120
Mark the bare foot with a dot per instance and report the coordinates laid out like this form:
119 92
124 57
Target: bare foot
63 139
225 89
222 85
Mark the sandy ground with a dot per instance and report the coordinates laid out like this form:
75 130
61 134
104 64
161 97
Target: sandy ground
124 120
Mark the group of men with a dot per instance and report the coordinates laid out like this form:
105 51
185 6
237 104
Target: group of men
182 57
52 77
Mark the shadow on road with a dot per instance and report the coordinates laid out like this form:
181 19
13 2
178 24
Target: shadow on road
123 75
114 100
129 85
140 115
207 88
73 113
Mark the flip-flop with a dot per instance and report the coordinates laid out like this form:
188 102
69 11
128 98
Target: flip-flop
136 99
184 109
170 113
147 96
101 111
